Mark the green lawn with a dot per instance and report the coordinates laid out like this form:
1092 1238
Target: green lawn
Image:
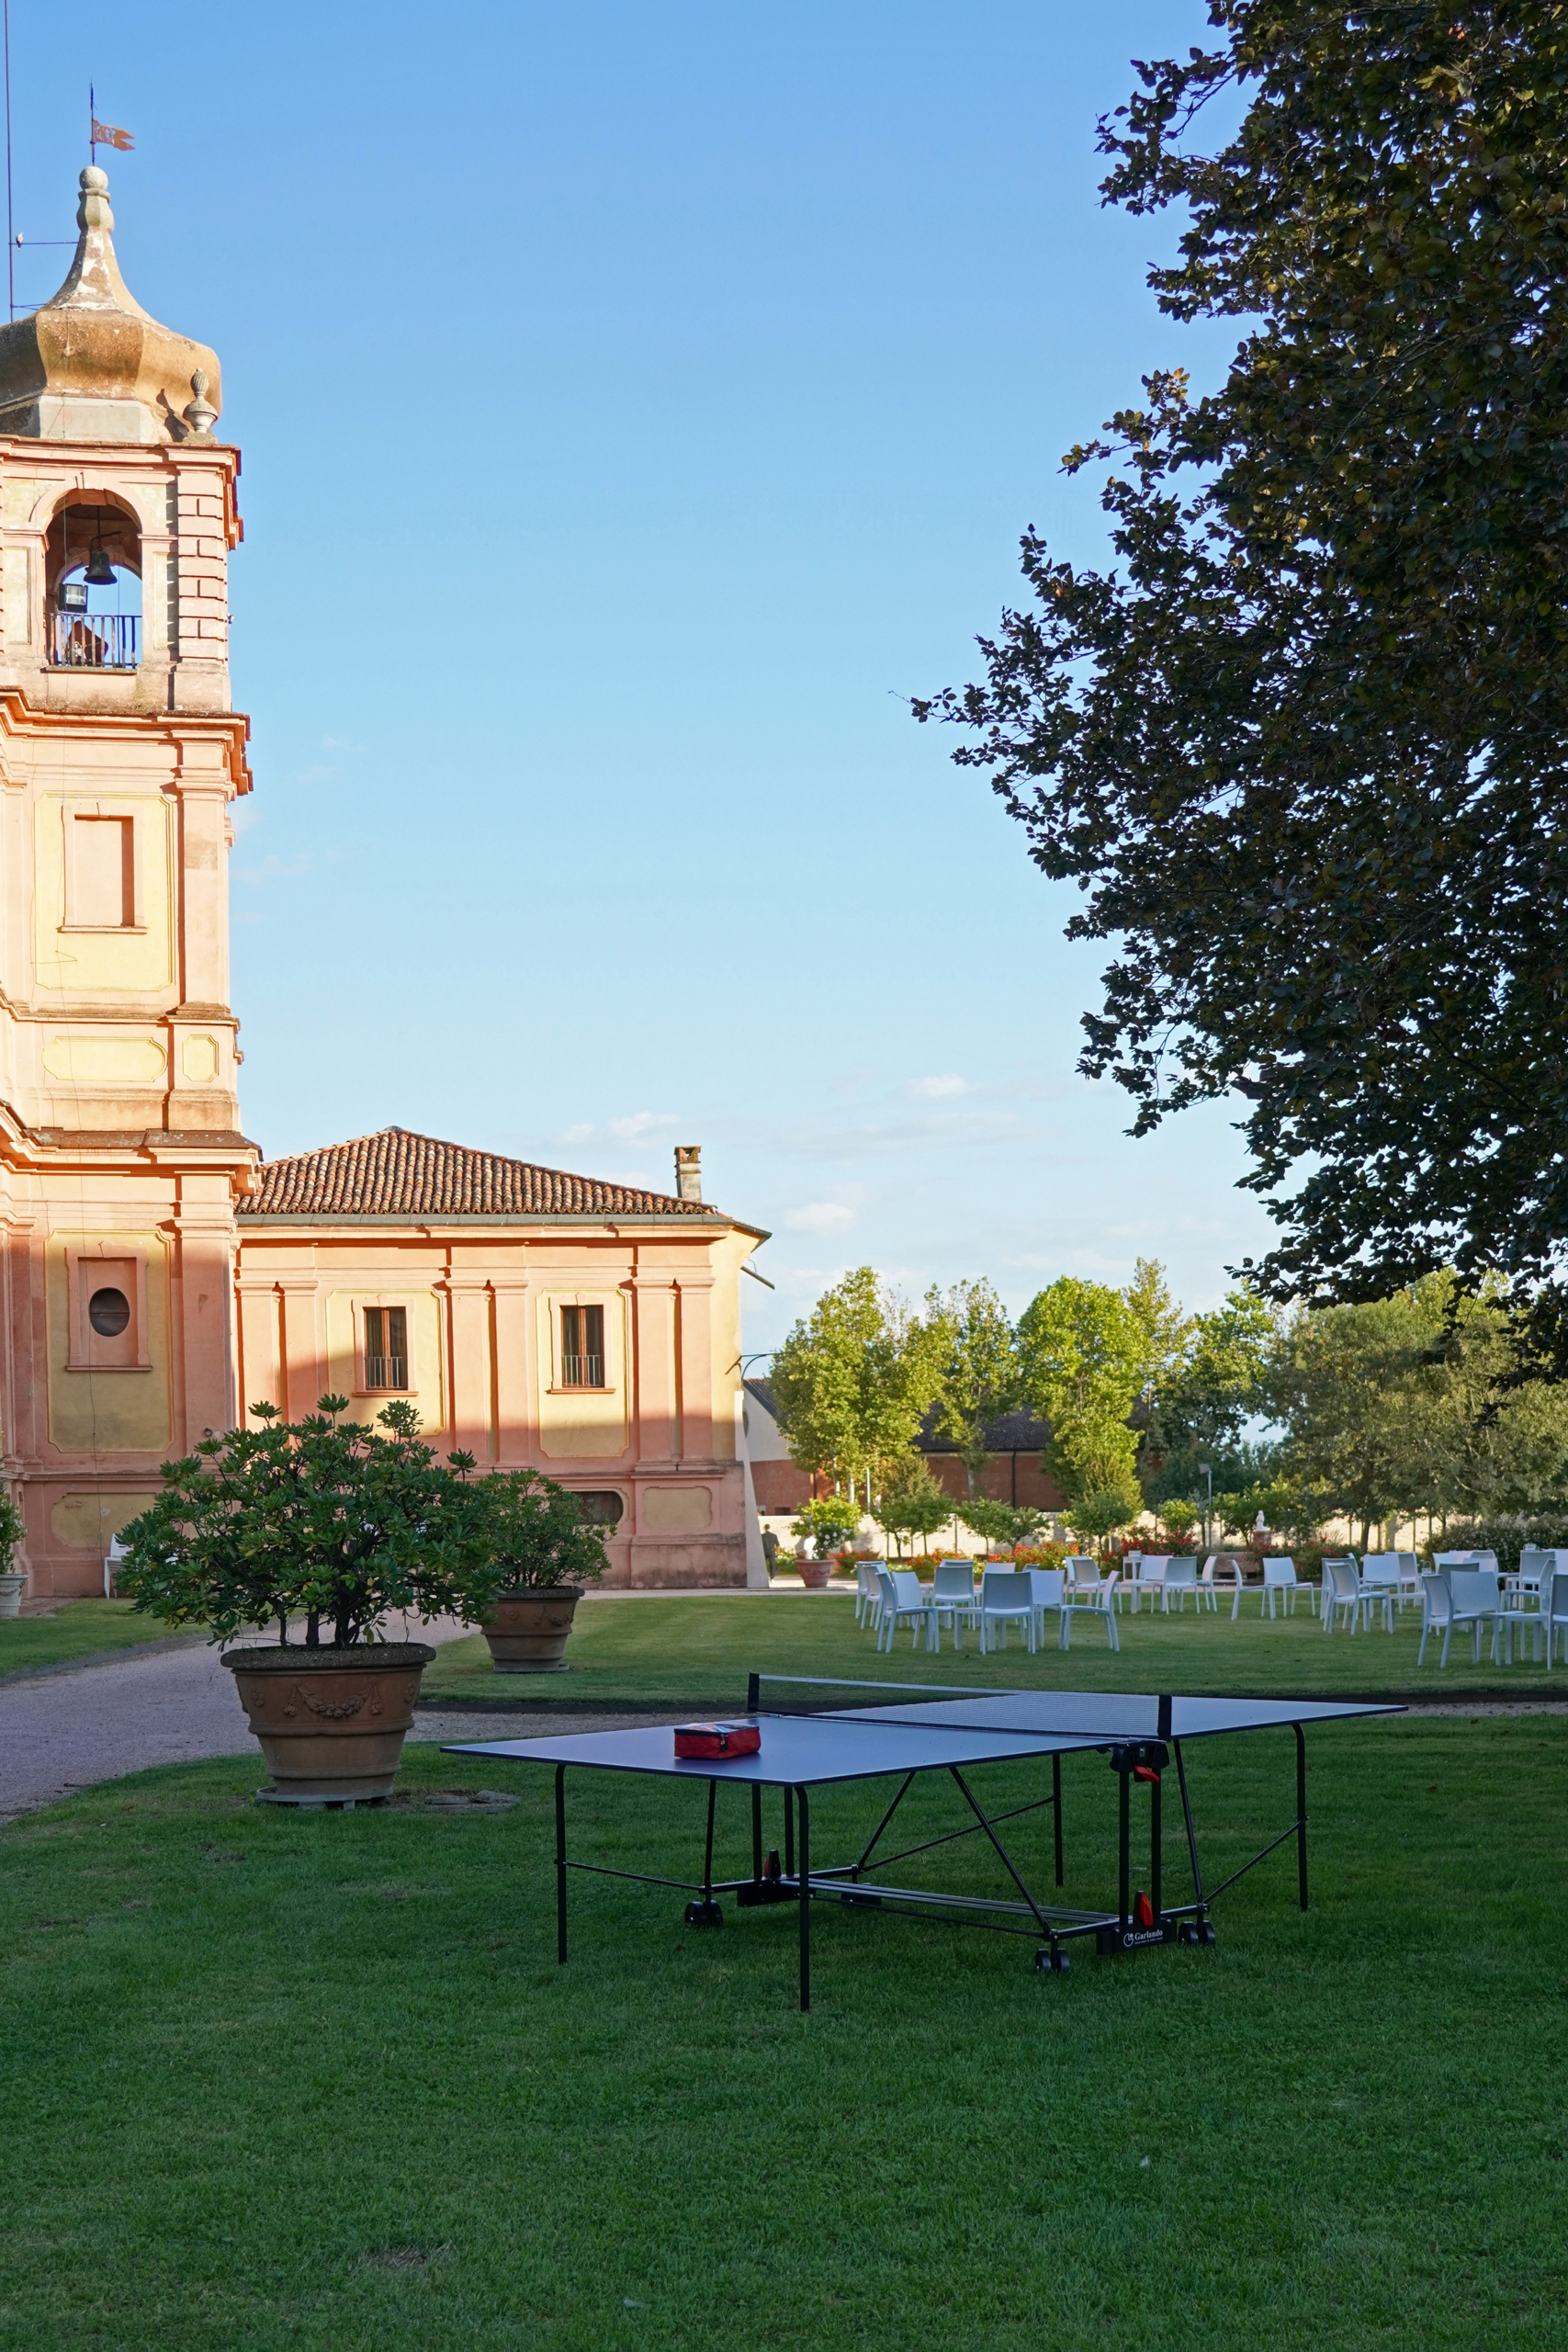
80 1629
296 2081
696 1653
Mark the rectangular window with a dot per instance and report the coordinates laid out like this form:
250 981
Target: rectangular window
386 1347
582 1347
104 897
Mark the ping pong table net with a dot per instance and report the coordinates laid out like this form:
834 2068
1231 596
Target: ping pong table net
1087 1716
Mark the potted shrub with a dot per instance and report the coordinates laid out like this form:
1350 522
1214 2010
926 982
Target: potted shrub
13 1581
336 1523
543 1553
822 1526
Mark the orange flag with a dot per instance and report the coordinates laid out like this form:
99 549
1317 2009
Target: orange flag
105 135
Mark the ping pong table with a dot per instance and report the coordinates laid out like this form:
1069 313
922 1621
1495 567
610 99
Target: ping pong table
822 1742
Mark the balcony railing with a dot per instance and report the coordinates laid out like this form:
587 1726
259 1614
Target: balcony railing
582 1372
386 1371
95 641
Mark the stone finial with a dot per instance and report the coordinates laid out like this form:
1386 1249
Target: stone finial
90 364
199 413
689 1171
93 208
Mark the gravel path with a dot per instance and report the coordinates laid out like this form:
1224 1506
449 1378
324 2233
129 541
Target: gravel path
70 1729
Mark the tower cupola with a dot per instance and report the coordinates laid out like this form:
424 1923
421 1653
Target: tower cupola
90 364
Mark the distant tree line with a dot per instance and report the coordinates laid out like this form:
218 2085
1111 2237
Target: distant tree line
1415 1404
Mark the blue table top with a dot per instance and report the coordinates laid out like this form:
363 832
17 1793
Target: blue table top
964 1728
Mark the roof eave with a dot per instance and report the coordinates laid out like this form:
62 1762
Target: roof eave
294 1218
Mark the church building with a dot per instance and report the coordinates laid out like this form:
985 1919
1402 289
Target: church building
158 1276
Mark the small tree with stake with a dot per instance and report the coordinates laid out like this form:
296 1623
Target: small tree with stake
332 1521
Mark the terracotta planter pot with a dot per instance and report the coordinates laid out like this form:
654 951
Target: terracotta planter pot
814 1574
527 1633
13 1584
331 1723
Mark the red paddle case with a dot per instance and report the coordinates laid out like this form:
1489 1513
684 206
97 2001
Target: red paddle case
717 1739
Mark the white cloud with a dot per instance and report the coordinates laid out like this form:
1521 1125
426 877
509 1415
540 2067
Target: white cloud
642 1123
819 1216
933 1089
634 1129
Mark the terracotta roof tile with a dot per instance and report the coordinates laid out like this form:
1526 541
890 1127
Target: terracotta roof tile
397 1174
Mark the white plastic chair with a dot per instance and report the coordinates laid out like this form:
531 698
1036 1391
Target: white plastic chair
1409 1576
1007 1597
1524 1583
1077 1569
1341 1592
1180 1578
1451 1597
868 1597
1049 1587
1280 1586
1520 1614
1099 1600
1437 1611
1554 1613
1149 1578
1208 1583
904 1603
952 1597
113 1558
1380 1585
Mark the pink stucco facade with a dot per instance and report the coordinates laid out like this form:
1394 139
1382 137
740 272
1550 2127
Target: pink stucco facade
483 1314
146 1294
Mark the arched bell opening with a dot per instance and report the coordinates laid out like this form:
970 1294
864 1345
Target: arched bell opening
93 586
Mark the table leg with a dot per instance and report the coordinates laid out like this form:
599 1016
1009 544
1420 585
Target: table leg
757 1832
1124 1843
1302 1813
560 1865
1056 1810
789 1833
1154 1840
805 1901
707 1850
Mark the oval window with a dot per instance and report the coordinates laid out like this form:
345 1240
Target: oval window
108 1312
601 1506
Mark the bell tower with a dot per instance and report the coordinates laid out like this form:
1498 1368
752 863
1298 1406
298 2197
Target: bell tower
121 1158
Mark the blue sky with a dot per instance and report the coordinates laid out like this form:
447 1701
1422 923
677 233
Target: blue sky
637 406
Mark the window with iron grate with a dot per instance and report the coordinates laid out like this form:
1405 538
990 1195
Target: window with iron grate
386 1347
582 1347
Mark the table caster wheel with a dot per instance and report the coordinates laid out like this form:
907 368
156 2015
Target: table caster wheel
704 1915
1051 1961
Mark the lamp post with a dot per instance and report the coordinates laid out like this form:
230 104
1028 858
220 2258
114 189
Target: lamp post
1207 1469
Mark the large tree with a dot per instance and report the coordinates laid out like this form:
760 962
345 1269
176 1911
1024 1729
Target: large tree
1084 1360
855 1378
1390 1408
976 1350
1203 1402
1305 746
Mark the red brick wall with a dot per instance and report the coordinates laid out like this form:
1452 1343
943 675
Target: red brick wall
779 1486
1033 1484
